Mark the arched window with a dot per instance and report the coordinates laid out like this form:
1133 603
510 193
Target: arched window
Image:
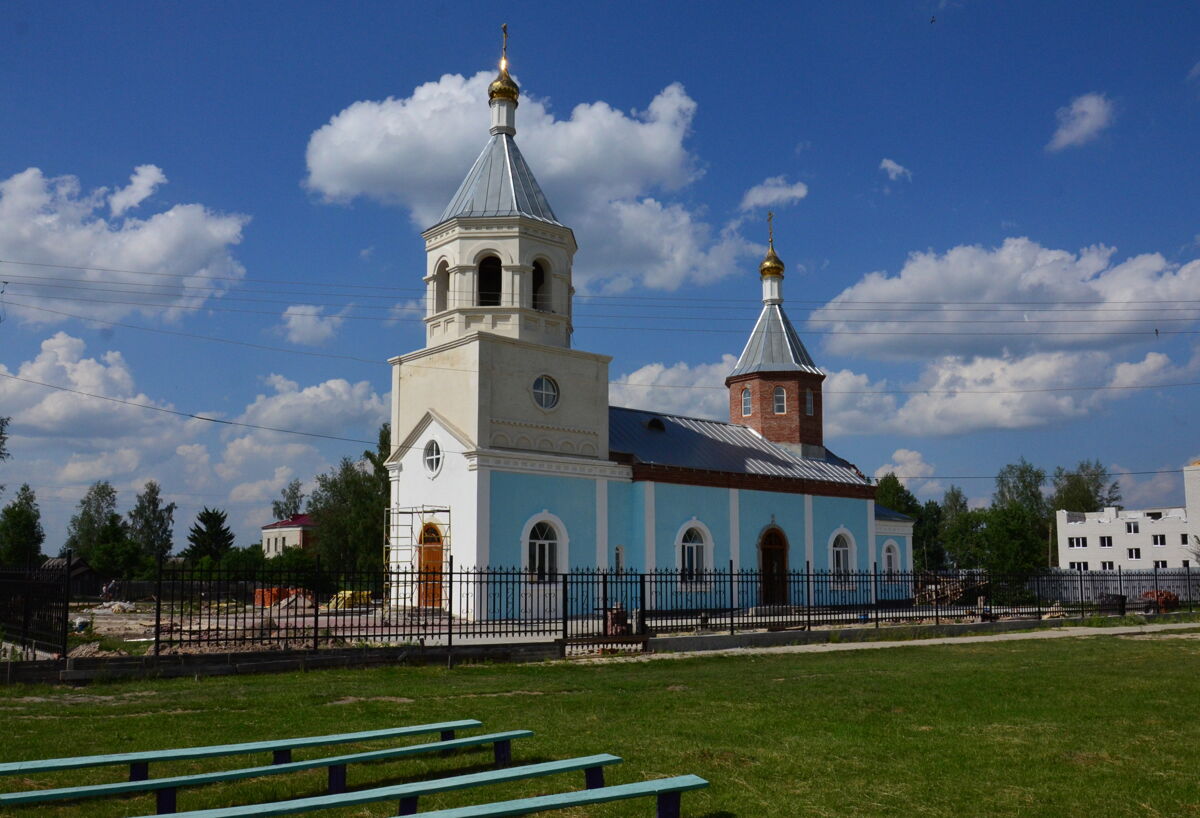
691 555
541 288
808 402
840 555
543 552
891 559
441 287
780 401
746 402
489 282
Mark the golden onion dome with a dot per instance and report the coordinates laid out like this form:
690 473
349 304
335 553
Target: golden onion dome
772 265
503 86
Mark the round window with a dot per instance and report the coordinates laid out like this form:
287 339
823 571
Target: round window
433 457
545 392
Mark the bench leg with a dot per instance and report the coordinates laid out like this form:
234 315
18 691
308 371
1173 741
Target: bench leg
408 805
503 752
668 805
282 757
447 735
337 778
164 801
593 778
139 771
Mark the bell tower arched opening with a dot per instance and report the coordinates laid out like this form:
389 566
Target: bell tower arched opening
490 282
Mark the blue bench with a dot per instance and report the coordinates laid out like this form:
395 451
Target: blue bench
666 790
165 789
408 794
281 749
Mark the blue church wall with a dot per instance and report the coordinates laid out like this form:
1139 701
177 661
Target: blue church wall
832 513
517 497
756 510
625 504
675 506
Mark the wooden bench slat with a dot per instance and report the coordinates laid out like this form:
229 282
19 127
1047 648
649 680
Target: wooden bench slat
119 787
582 798
208 751
416 788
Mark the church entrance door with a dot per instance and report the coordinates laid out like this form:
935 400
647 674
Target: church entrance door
772 563
430 567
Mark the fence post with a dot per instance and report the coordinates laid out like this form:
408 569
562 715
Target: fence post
732 601
1157 598
563 606
158 605
316 598
937 601
808 597
1189 587
875 592
642 604
1120 588
450 616
1081 594
66 619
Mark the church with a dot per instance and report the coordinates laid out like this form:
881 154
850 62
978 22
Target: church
507 454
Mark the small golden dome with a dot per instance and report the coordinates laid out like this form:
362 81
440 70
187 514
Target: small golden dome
772 265
503 86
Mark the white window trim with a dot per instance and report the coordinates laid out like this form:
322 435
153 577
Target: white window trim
561 552
892 544
747 402
533 395
852 557
430 474
777 393
709 546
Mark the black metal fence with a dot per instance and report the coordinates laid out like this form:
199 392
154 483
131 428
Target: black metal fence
314 608
195 610
34 608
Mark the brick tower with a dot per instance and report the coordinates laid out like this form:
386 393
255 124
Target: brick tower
775 388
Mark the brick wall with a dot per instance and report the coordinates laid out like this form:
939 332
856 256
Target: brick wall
794 425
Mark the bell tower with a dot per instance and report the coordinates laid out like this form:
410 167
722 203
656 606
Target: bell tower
498 260
775 388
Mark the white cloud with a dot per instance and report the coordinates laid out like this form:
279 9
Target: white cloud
603 170
50 221
1194 74
695 391
335 406
142 184
908 465
103 466
1081 121
1148 491
305 324
772 192
410 310
1016 298
894 170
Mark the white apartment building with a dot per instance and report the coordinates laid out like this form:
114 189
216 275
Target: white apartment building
1133 540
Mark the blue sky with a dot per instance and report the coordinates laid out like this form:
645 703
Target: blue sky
979 204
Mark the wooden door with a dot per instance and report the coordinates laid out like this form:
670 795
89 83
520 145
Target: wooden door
772 549
429 588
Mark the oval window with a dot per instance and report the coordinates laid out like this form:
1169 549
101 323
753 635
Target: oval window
545 392
433 457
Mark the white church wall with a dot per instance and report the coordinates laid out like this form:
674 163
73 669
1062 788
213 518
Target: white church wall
444 380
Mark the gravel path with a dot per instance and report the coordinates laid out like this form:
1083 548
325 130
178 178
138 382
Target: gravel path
831 647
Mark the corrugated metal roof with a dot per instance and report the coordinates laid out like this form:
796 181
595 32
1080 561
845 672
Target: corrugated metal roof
774 346
696 443
885 513
500 184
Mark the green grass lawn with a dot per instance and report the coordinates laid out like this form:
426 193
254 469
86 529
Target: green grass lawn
1097 726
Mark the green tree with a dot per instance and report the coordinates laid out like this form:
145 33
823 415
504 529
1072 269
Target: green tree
1086 488
94 511
1019 523
964 534
929 550
246 559
289 503
21 534
890 492
209 536
347 507
151 523
113 554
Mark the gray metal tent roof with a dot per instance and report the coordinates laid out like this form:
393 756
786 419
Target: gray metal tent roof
774 346
697 443
500 184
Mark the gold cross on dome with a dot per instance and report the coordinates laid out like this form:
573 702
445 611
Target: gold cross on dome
771 227
504 44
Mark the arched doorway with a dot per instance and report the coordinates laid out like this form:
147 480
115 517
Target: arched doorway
773 567
429 593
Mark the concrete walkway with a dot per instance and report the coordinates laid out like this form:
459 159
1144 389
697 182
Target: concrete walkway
831 647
